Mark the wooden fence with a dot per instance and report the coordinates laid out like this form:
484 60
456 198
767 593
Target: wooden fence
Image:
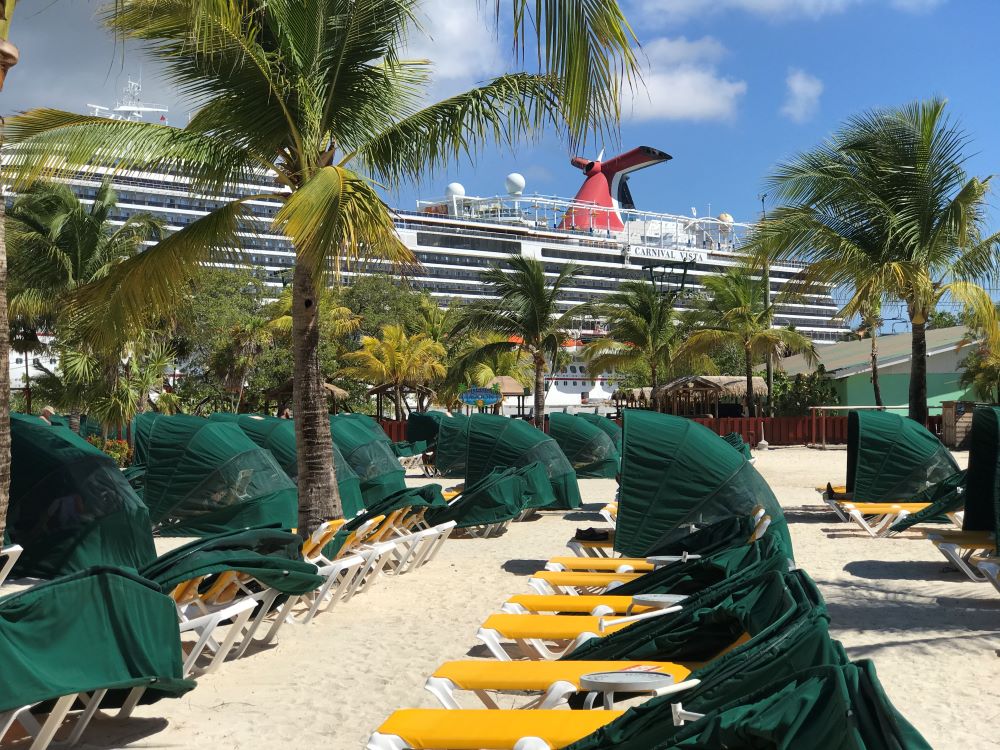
807 430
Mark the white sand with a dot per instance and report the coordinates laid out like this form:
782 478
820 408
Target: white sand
931 633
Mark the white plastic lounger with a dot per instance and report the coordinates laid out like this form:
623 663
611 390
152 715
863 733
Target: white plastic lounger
8 558
205 625
339 575
41 734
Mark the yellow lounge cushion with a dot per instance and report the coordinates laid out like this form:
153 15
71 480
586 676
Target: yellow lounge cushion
549 627
583 579
602 564
441 728
540 675
583 605
872 509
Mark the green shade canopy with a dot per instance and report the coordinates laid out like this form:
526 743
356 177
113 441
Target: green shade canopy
497 497
608 426
947 496
368 451
278 436
406 449
424 425
677 473
70 506
736 440
497 442
207 477
451 449
98 628
589 449
982 483
891 458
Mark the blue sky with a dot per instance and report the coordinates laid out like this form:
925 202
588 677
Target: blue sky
734 86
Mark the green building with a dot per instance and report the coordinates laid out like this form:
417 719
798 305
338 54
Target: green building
849 365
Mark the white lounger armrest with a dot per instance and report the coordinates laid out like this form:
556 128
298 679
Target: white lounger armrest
8 558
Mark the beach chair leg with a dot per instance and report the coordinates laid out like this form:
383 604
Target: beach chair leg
960 561
93 703
855 515
557 694
382 550
52 723
834 506
205 627
542 587
339 576
8 556
491 639
991 571
131 701
379 741
444 690
284 615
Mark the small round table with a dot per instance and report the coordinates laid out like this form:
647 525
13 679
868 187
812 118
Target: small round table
609 683
655 601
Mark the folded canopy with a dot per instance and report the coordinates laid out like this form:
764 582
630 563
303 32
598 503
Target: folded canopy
368 451
451 444
424 426
982 483
677 473
278 436
495 498
589 448
70 506
608 426
98 628
207 477
496 442
891 458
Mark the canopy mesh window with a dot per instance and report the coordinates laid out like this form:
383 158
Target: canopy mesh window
207 477
70 506
608 426
369 454
589 449
677 474
891 458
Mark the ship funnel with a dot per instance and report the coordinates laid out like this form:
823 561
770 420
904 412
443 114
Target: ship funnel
605 190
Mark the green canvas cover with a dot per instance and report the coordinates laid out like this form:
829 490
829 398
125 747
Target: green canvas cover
70 506
537 487
406 449
828 707
496 498
891 458
947 496
278 436
723 534
451 449
423 425
608 426
501 442
712 620
270 555
589 449
426 496
206 477
368 451
97 628
736 440
982 484
677 473
694 576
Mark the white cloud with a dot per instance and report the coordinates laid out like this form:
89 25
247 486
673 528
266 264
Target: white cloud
802 99
463 47
681 83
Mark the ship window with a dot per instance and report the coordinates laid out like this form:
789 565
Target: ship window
461 242
18 361
574 383
572 368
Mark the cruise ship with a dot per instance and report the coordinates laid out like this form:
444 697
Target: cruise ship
457 236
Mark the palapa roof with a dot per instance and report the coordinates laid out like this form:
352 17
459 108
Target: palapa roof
634 394
726 386
509 386
848 358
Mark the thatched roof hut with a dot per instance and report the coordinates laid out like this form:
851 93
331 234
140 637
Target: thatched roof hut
698 395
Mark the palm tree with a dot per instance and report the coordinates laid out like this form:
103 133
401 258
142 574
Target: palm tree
315 94
398 360
246 342
643 329
525 315
870 313
887 200
737 312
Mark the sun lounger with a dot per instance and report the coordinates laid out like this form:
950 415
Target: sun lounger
8 559
440 729
554 681
576 582
959 547
533 633
596 605
877 518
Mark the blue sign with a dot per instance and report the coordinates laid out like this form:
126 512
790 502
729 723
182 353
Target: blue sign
480 397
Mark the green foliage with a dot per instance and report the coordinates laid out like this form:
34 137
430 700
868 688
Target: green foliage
943 319
728 359
981 373
794 395
380 300
119 450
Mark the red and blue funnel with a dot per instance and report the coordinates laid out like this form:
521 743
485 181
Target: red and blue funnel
605 190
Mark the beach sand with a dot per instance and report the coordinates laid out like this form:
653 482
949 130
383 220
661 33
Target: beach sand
932 633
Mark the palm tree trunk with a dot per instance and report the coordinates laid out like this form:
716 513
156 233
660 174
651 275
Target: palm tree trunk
4 381
918 373
875 384
319 499
539 391
398 399
749 374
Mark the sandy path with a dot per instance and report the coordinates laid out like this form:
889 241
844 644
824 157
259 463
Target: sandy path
328 685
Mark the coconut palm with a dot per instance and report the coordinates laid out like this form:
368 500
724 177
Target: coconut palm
316 94
525 315
737 312
396 359
645 329
886 208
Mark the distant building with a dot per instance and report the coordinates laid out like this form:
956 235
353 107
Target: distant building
849 365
